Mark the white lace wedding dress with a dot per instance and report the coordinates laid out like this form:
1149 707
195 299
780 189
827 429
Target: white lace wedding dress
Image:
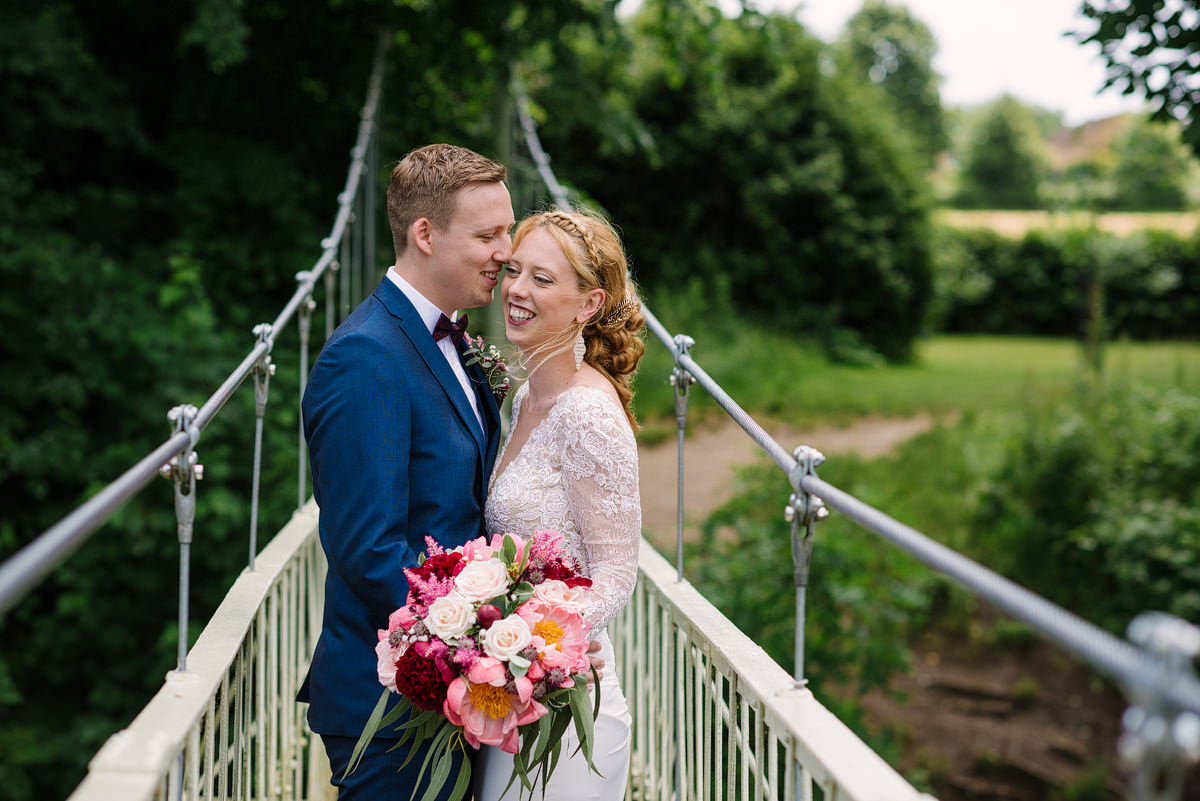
578 474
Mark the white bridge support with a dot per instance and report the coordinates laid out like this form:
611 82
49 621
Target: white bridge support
229 728
715 717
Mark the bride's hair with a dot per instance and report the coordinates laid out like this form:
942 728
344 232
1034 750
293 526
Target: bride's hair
594 250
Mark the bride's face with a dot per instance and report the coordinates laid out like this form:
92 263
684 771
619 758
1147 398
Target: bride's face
540 294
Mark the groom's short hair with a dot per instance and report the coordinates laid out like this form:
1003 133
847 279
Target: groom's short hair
425 183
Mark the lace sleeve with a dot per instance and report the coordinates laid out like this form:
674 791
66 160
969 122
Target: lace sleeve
600 472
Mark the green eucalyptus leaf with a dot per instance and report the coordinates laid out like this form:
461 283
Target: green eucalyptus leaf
368 732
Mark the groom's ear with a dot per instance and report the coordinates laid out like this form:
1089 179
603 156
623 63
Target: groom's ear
593 303
420 234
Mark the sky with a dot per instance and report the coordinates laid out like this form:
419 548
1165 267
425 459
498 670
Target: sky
987 48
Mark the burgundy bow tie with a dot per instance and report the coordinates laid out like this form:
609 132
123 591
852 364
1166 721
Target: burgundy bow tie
454 330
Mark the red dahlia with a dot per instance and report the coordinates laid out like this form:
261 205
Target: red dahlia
442 566
419 680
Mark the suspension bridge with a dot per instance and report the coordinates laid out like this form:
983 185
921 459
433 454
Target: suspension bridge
714 715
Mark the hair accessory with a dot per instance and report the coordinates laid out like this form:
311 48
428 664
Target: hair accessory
567 223
620 312
580 348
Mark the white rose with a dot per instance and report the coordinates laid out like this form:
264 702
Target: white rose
557 593
450 616
482 581
507 638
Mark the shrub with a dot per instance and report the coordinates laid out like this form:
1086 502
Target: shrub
1096 503
1039 283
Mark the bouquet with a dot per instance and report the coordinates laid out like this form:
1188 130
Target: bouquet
490 648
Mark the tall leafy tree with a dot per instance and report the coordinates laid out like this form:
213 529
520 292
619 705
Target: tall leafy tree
165 169
759 177
885 45
1153 168
1152 48
1004 163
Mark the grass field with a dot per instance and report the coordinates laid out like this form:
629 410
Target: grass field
1017 223
779 377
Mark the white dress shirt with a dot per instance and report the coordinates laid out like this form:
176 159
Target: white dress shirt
430 315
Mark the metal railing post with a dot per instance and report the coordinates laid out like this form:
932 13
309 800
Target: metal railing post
184 472
330 305
358 238
370 218
262 388
681 380
803 509
343 261
1158 739
304 326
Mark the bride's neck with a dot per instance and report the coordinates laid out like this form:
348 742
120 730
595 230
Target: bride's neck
548 378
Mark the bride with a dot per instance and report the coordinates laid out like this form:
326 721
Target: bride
570 461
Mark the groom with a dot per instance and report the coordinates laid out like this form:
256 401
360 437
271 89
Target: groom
402 437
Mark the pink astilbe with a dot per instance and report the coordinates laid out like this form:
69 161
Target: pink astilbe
428 590
547 545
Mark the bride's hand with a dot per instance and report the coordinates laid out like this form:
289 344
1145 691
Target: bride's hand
597 662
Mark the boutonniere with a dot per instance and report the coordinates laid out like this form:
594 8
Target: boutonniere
488 357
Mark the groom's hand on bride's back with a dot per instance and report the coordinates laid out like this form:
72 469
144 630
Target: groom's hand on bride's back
594 657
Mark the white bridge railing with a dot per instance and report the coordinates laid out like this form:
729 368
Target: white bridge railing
229 726
715 717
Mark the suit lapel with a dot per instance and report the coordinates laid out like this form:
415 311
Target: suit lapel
414 328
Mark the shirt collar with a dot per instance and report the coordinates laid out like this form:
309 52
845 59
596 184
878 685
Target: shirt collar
430 314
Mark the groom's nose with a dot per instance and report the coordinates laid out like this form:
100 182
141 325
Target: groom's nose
503 250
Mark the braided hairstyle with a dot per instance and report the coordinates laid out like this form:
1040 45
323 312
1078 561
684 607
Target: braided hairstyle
594 250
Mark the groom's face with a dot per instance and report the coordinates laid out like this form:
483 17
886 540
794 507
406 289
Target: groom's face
474 246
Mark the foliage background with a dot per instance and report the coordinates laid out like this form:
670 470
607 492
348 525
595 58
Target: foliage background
165 169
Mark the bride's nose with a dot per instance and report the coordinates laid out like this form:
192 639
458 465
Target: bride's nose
515 285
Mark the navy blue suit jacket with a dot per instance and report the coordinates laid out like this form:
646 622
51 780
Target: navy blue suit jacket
397 454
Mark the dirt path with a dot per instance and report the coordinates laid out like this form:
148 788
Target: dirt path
711 453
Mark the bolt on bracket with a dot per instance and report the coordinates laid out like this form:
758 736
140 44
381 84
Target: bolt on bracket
1160 741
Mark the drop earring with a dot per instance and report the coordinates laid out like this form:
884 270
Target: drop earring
580 349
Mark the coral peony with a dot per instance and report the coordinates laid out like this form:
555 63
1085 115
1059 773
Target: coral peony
489 713
559 635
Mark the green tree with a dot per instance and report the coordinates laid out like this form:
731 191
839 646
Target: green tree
165 169
759 177
1152 48
1153 168
1004 162
885 45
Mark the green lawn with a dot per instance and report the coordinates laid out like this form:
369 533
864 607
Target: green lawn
779 377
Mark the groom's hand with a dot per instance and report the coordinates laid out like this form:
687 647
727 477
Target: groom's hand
597 662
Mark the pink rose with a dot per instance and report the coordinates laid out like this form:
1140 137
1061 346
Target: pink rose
386 655
402 618
482 580
506 638
476 550
498 543
557 593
